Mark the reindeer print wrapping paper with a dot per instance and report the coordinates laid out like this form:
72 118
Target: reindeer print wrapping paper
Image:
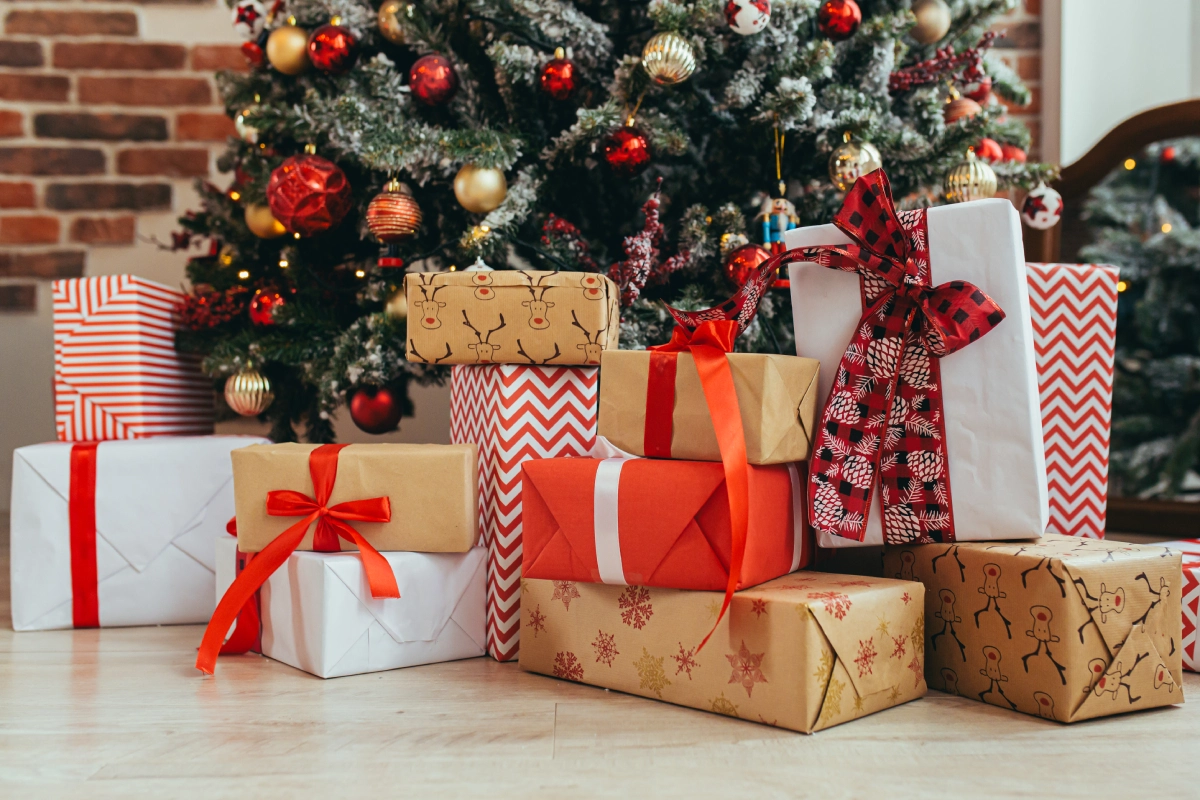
777 396
1064 628
510 317
804 652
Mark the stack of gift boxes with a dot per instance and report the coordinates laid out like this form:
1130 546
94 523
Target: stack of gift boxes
672 523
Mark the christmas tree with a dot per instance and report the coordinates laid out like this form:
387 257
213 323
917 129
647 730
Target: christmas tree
1144 218
665 144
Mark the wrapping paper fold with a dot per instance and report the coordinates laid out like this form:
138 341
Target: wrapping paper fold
777 396
1190 549
318 614
431 488
993 421
510 317
656 523
1066 628
158 506
804 652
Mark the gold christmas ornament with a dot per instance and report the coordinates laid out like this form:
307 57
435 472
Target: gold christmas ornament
389 20
246 131
248 393
262 223
287 49
397 305
668 59
393 215
849 161
933 21
480 189
970 179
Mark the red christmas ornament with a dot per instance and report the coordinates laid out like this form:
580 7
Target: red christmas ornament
989 150
308 194
332 48
980 90
1011 152
253 53
1168 154
433 80
375 410
263 305
839 19
626 151
558 77
743 261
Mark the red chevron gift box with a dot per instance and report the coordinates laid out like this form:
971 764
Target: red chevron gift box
116 372
1191 601
1074 311
514 414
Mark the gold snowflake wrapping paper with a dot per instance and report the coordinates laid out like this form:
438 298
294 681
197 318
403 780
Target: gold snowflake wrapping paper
806 651
1063 628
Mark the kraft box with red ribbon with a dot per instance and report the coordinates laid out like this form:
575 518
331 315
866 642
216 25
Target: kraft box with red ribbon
317 613
118 533
804 652
931 429
117 374
1190 549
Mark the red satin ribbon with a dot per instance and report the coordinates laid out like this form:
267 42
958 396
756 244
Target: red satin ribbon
85 602
331 523
709 343
247 632
660 403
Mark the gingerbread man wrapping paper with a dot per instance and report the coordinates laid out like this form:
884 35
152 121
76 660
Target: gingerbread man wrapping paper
1063 628
805 652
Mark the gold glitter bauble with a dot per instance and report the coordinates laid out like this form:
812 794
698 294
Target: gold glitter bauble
480 189
393 215
248 393
970 179
287 49
933 21
389 20
397 305
849 161
668 59
262 223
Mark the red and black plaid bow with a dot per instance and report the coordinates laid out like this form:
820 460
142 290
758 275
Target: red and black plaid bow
883 417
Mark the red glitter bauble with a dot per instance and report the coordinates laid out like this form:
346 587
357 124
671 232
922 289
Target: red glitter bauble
989 150
263 305
332 49
433 80
627 151
558 79
375 410
839 19
1013 153
308 194
253 53
743 261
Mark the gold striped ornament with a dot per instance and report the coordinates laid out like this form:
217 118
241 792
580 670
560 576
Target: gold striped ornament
393 215
970 179
249 393
668 59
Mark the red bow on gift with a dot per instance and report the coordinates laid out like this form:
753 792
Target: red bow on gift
331 523
883 417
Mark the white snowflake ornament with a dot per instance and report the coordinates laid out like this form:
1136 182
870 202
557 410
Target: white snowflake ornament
249 19
747 17
1042 208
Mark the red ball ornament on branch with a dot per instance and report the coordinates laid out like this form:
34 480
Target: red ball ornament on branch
263 306
839 19
558 78
627 151
1013 153
989 150
433 80
375 410
308 194
332 48
743 261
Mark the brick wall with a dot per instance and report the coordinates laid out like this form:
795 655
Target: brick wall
1021 49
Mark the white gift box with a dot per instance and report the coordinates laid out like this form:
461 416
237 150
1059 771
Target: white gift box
993 417
318 614
160 504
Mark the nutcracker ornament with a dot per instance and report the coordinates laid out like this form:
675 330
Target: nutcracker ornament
249 19
1042 208
777 217
332 48
308 194
432 80
747 17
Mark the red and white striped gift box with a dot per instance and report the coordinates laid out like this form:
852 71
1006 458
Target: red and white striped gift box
1074 311
116 372
1191 601
515 413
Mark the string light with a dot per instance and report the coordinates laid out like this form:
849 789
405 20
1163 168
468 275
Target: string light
1122 286
283 263
1166 227
359 273
1130 163
296 235
243 274
453 268
235 196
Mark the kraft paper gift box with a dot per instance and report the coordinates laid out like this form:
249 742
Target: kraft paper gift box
120 532
1065 628
431 489
116 372
777 396
657 522
992 411
1074 311
515 413
805 652
318 615
1190 549
510 317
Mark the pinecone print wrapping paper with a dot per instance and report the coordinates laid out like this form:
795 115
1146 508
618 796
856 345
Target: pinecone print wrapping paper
1063 628
805 652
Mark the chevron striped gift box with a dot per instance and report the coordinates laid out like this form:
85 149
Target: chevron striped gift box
1191 601
116 372
515 413
1074 311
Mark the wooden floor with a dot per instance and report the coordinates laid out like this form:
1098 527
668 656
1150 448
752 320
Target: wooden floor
121 713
